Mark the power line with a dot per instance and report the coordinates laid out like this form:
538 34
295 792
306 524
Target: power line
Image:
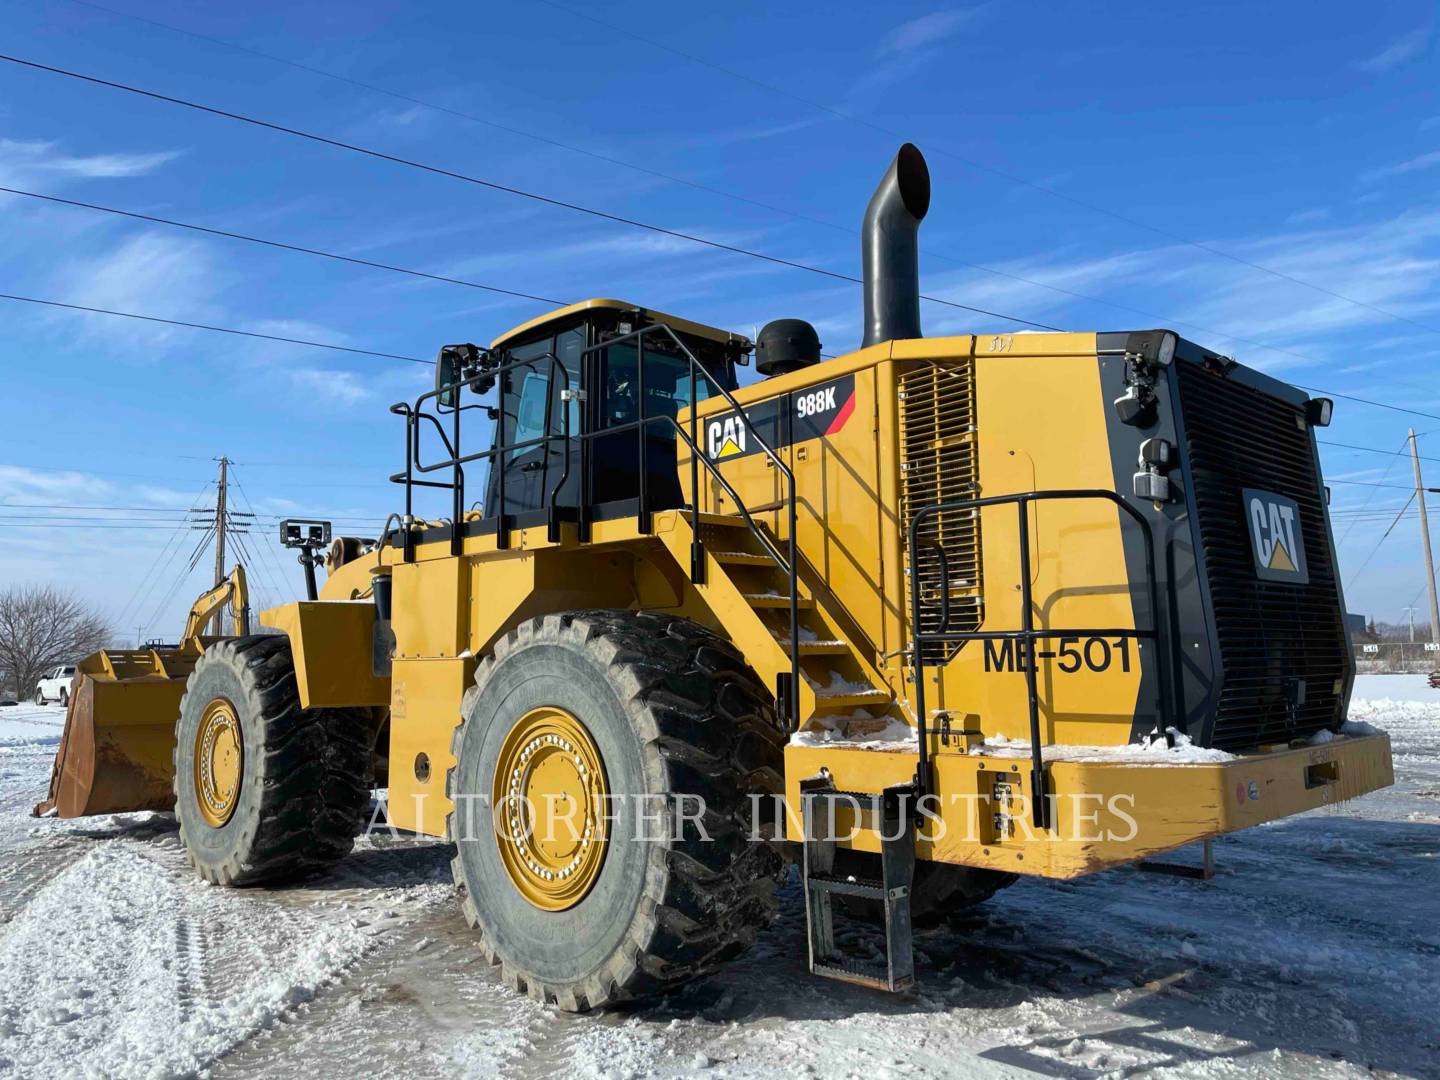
990 169
214 329
1367 401
522 193
1372 449
1371 495
1376 548
672 178
1370 484
492 185
280 245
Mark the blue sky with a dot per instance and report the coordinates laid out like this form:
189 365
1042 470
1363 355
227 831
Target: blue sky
1293 136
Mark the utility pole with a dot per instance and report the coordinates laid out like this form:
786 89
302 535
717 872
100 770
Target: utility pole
1411 612
217 621
1425 541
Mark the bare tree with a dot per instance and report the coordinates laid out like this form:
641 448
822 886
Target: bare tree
42 627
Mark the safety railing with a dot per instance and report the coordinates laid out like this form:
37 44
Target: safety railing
1027 636
787 695
499 452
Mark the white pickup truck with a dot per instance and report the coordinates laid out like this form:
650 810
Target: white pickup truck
55 686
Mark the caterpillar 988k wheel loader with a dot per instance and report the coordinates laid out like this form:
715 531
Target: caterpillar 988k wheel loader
924 617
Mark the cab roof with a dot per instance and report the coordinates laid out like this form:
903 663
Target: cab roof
679 325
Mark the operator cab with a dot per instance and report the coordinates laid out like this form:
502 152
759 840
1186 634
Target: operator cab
576 371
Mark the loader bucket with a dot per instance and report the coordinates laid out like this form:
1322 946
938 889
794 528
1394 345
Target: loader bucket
118 748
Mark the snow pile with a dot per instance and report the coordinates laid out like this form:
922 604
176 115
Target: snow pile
119 964
1184 752
31 725
861 731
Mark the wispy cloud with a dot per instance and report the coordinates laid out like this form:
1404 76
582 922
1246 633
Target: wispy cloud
924 32
1393 264
19 157
338 388
1400 168
903 49
1400 51
153 274
756 133
1309 217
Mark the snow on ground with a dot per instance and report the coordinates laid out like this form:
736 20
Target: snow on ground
1314 952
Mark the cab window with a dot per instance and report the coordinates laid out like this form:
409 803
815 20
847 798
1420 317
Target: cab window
667 384
530 413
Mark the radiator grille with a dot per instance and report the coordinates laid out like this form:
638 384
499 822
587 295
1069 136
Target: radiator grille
939 462
1269 632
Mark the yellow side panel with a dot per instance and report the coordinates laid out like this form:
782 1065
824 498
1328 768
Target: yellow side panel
431 600
333 647
1041 425
424 712
839 514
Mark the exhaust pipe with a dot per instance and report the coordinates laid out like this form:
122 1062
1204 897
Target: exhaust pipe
890 250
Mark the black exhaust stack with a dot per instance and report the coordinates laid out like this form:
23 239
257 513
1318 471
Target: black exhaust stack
890 249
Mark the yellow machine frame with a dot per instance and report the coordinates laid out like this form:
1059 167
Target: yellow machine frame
1043 427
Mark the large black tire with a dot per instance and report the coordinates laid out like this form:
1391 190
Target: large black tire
39 698
305 780
64 697
938 890
673 710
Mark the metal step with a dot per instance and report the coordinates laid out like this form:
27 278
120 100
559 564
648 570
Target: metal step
896 809
868 975
742 558
870 890
762 601
816 648
849 699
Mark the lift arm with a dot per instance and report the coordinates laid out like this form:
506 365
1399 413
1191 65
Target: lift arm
233 591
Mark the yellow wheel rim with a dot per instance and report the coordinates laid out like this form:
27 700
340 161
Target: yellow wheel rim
549 799
219 762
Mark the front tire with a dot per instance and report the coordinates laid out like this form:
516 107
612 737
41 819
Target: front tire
651 710
64 697
265 791
39 698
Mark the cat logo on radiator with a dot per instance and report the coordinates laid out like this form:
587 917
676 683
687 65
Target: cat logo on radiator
1276 541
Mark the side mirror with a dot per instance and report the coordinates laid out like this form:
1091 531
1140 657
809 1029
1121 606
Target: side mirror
448 367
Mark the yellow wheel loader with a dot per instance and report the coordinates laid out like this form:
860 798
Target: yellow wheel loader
921 618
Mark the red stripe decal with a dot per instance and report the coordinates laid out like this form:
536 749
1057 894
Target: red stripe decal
842 415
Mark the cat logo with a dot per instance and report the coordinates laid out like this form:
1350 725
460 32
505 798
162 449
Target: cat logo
1275 537
725 438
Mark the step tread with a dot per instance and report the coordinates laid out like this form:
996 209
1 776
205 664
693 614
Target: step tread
851 696
776 600
872 890
743 558
831 647
850 971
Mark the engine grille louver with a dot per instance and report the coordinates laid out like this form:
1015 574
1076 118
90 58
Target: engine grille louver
939 462
1269 632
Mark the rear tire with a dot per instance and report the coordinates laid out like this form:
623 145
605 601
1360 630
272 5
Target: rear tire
303 781
64 697
669 709
937 891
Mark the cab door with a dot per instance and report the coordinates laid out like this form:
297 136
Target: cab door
534 409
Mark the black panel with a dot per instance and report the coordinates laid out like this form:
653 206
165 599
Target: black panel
1272 636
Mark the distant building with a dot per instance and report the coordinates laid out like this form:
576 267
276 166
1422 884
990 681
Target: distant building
1359 629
